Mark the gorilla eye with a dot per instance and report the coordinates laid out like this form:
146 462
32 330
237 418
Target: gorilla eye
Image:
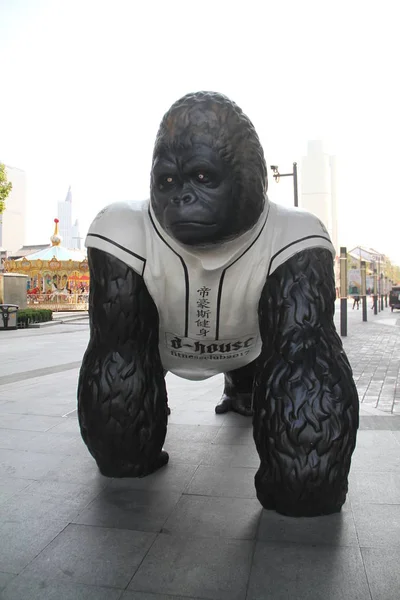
166 181
203 177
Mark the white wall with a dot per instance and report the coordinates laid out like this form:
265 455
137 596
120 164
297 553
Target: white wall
318 187
76 240
14 217
65 225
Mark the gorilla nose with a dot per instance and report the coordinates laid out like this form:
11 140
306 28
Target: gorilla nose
186 198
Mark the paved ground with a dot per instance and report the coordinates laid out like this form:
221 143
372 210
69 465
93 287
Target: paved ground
194 529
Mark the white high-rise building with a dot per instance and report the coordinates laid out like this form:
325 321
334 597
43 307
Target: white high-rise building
68 231
13 219
318 187
76 239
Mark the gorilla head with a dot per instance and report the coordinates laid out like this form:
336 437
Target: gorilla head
209 177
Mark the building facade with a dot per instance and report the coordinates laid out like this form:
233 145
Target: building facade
318 187
69 231
13 220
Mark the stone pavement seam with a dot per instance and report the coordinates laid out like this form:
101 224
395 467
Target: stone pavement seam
362 558
25 375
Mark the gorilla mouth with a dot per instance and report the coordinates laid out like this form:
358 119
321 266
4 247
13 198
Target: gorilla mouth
196 223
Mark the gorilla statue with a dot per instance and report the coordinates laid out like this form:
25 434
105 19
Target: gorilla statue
211 277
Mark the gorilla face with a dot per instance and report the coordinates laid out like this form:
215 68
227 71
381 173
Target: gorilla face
209 177
193 195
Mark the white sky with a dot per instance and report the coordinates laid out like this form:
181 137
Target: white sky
84 84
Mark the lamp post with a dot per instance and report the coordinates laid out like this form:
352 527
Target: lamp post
379 284
278 175
363 290
386 290
343 291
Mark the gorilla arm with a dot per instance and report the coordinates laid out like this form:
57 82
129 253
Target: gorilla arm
122 399
305 400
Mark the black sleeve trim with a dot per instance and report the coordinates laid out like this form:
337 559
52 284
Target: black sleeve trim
307 237
106 239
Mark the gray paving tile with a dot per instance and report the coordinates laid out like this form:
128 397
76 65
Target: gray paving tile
43 373
188 416
201 516
234 455
9 486
171 478
376 458
5 579
331 530
234 420
202 403
14 439
384 440
207 568
22 541
185 451
186 390
29 465
25 380
382 568
78 469
378 525
129 509
28 588
67 444
147 596
282 571
235 436
231 482
215 442
52 499
92 555
42 406
191 433
65 425
390 423
374 488
29 422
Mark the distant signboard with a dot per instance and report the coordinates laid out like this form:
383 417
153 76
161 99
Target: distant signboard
354 283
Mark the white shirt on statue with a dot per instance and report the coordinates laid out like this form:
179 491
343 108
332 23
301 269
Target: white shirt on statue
207 299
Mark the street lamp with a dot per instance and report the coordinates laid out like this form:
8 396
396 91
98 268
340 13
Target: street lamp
278 175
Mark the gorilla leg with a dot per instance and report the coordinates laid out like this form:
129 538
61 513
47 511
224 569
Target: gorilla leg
238 390
122 399
305 400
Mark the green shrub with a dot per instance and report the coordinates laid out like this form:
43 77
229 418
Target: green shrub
33 315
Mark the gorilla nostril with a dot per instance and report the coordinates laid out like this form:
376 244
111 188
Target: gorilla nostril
183 199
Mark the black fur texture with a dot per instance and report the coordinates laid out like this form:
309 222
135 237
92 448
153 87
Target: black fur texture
305 400
122 399
210 120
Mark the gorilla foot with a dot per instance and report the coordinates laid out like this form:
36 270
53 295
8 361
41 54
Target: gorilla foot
315 503
127 469
240 403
